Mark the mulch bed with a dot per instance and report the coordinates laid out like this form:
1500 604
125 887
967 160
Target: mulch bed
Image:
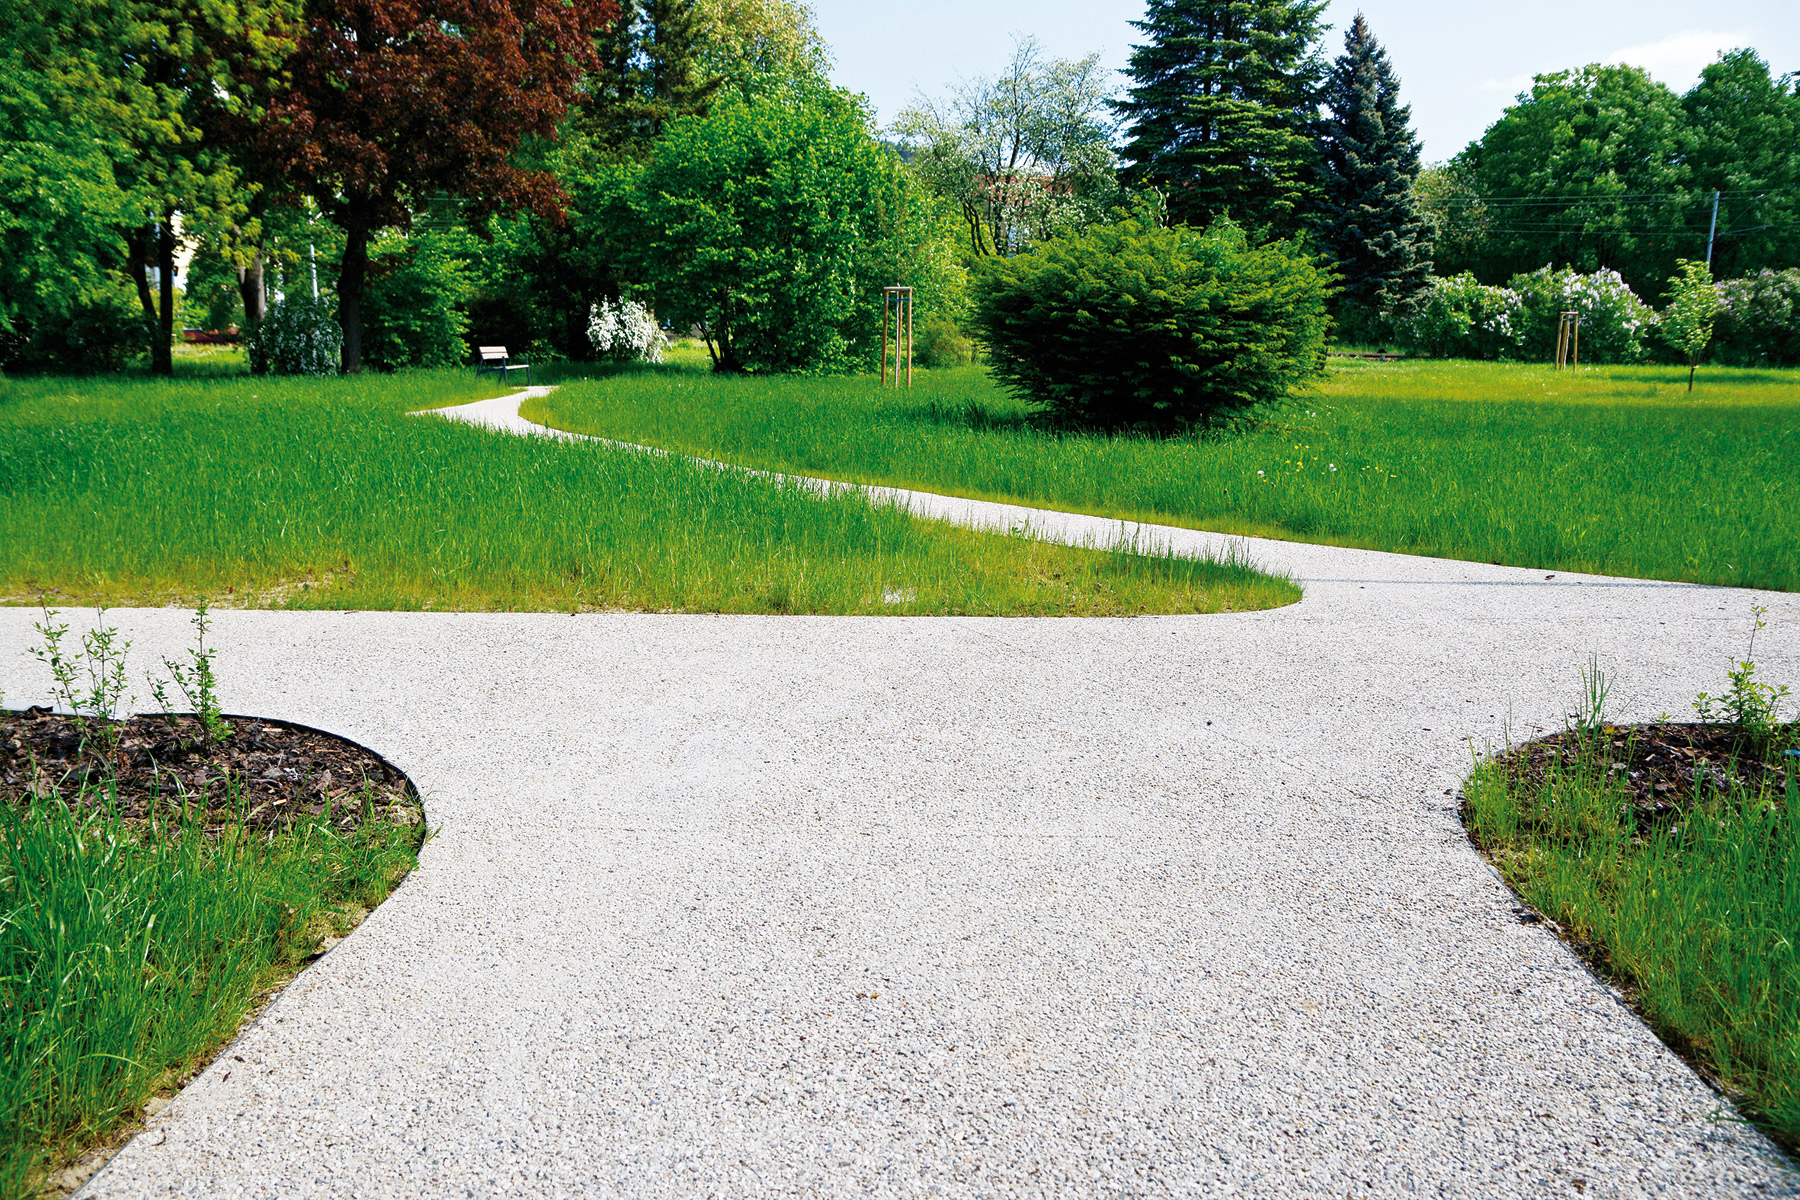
1662 768
271 773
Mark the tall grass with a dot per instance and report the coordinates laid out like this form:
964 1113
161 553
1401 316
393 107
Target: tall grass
1612 470
128 953
1697 916
325 493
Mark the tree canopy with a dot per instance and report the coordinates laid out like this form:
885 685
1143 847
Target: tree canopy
384 102
1221 106
1024 155
1367 219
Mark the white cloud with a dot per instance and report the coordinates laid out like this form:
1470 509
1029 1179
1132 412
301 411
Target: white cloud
1676 60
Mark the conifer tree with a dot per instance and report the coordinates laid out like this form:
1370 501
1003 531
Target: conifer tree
1221 109
1368 220
651 72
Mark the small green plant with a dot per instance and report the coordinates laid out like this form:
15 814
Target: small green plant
196 682
89 682
1687 324
1751 705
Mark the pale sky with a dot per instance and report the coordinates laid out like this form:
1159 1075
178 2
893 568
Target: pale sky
1459 64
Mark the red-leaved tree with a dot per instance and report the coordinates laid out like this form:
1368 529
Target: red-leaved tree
385 102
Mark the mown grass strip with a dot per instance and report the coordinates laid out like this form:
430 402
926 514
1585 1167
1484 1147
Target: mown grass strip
325 494
1613 470
129 952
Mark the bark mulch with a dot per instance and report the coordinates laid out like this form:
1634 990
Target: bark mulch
1664 769
270 774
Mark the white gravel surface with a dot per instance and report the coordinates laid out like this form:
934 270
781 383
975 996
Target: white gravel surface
745 906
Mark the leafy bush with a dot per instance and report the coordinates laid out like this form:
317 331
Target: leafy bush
99 333
1758 322
939 343
415 310
1460 318
1132 326
772 224
1614 322
298 336
625 331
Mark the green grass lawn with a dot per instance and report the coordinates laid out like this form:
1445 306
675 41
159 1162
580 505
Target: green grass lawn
327 494
1612 469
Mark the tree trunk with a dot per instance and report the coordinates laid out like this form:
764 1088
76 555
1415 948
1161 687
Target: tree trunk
137 262
252 289
162 348
1693 366
351 278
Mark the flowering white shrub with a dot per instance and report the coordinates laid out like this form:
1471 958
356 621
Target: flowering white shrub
1460 318
298 336
625 331
1758 323
1614 322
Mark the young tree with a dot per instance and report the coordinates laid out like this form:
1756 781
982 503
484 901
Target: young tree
1221 108
388 101
1023 156
1368 220
1687 324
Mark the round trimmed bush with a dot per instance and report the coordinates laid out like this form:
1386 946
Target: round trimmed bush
1128 326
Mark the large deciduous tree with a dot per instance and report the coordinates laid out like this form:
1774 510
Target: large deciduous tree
1746 130
1023 156
389 101
128 87
1368 220
1220 111
1589 169
773 223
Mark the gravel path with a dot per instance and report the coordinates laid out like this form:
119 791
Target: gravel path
744 906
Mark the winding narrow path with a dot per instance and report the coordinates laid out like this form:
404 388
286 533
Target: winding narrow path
793 906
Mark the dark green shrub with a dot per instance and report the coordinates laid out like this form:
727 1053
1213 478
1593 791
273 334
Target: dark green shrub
97 334
939 343
415 311
1128 326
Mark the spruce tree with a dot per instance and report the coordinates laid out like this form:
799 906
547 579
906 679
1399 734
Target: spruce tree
1221 109
650 73
1368 220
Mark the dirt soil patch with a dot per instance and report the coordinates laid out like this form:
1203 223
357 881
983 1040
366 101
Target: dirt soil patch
1663 769
272 773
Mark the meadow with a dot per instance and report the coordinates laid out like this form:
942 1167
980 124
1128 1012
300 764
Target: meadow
327 494
1614 470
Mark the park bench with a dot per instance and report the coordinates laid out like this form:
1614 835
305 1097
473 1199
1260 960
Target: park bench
495 362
